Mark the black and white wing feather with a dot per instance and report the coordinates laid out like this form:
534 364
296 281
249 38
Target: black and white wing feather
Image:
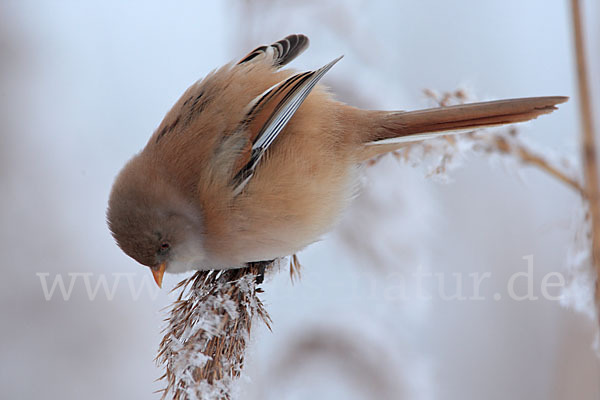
279 53
267 117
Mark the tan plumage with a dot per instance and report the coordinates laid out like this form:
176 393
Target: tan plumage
248 166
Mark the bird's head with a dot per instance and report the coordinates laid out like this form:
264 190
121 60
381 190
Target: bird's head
153 223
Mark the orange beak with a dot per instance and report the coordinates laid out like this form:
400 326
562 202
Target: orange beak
158 272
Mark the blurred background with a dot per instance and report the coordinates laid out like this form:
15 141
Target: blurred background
84 84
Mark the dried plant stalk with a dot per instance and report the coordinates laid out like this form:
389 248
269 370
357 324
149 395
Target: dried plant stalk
504 142
295 268
506 145
588 145
207 332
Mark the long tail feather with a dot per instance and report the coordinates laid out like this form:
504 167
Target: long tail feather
392 130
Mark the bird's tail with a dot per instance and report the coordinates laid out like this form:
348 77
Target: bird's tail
389 131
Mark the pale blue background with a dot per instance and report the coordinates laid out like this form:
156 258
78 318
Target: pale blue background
84 84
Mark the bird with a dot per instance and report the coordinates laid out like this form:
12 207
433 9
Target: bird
255 162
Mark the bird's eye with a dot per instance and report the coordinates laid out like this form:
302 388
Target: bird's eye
164 246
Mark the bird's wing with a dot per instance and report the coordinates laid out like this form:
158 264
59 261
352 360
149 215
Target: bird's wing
279 53
267 116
